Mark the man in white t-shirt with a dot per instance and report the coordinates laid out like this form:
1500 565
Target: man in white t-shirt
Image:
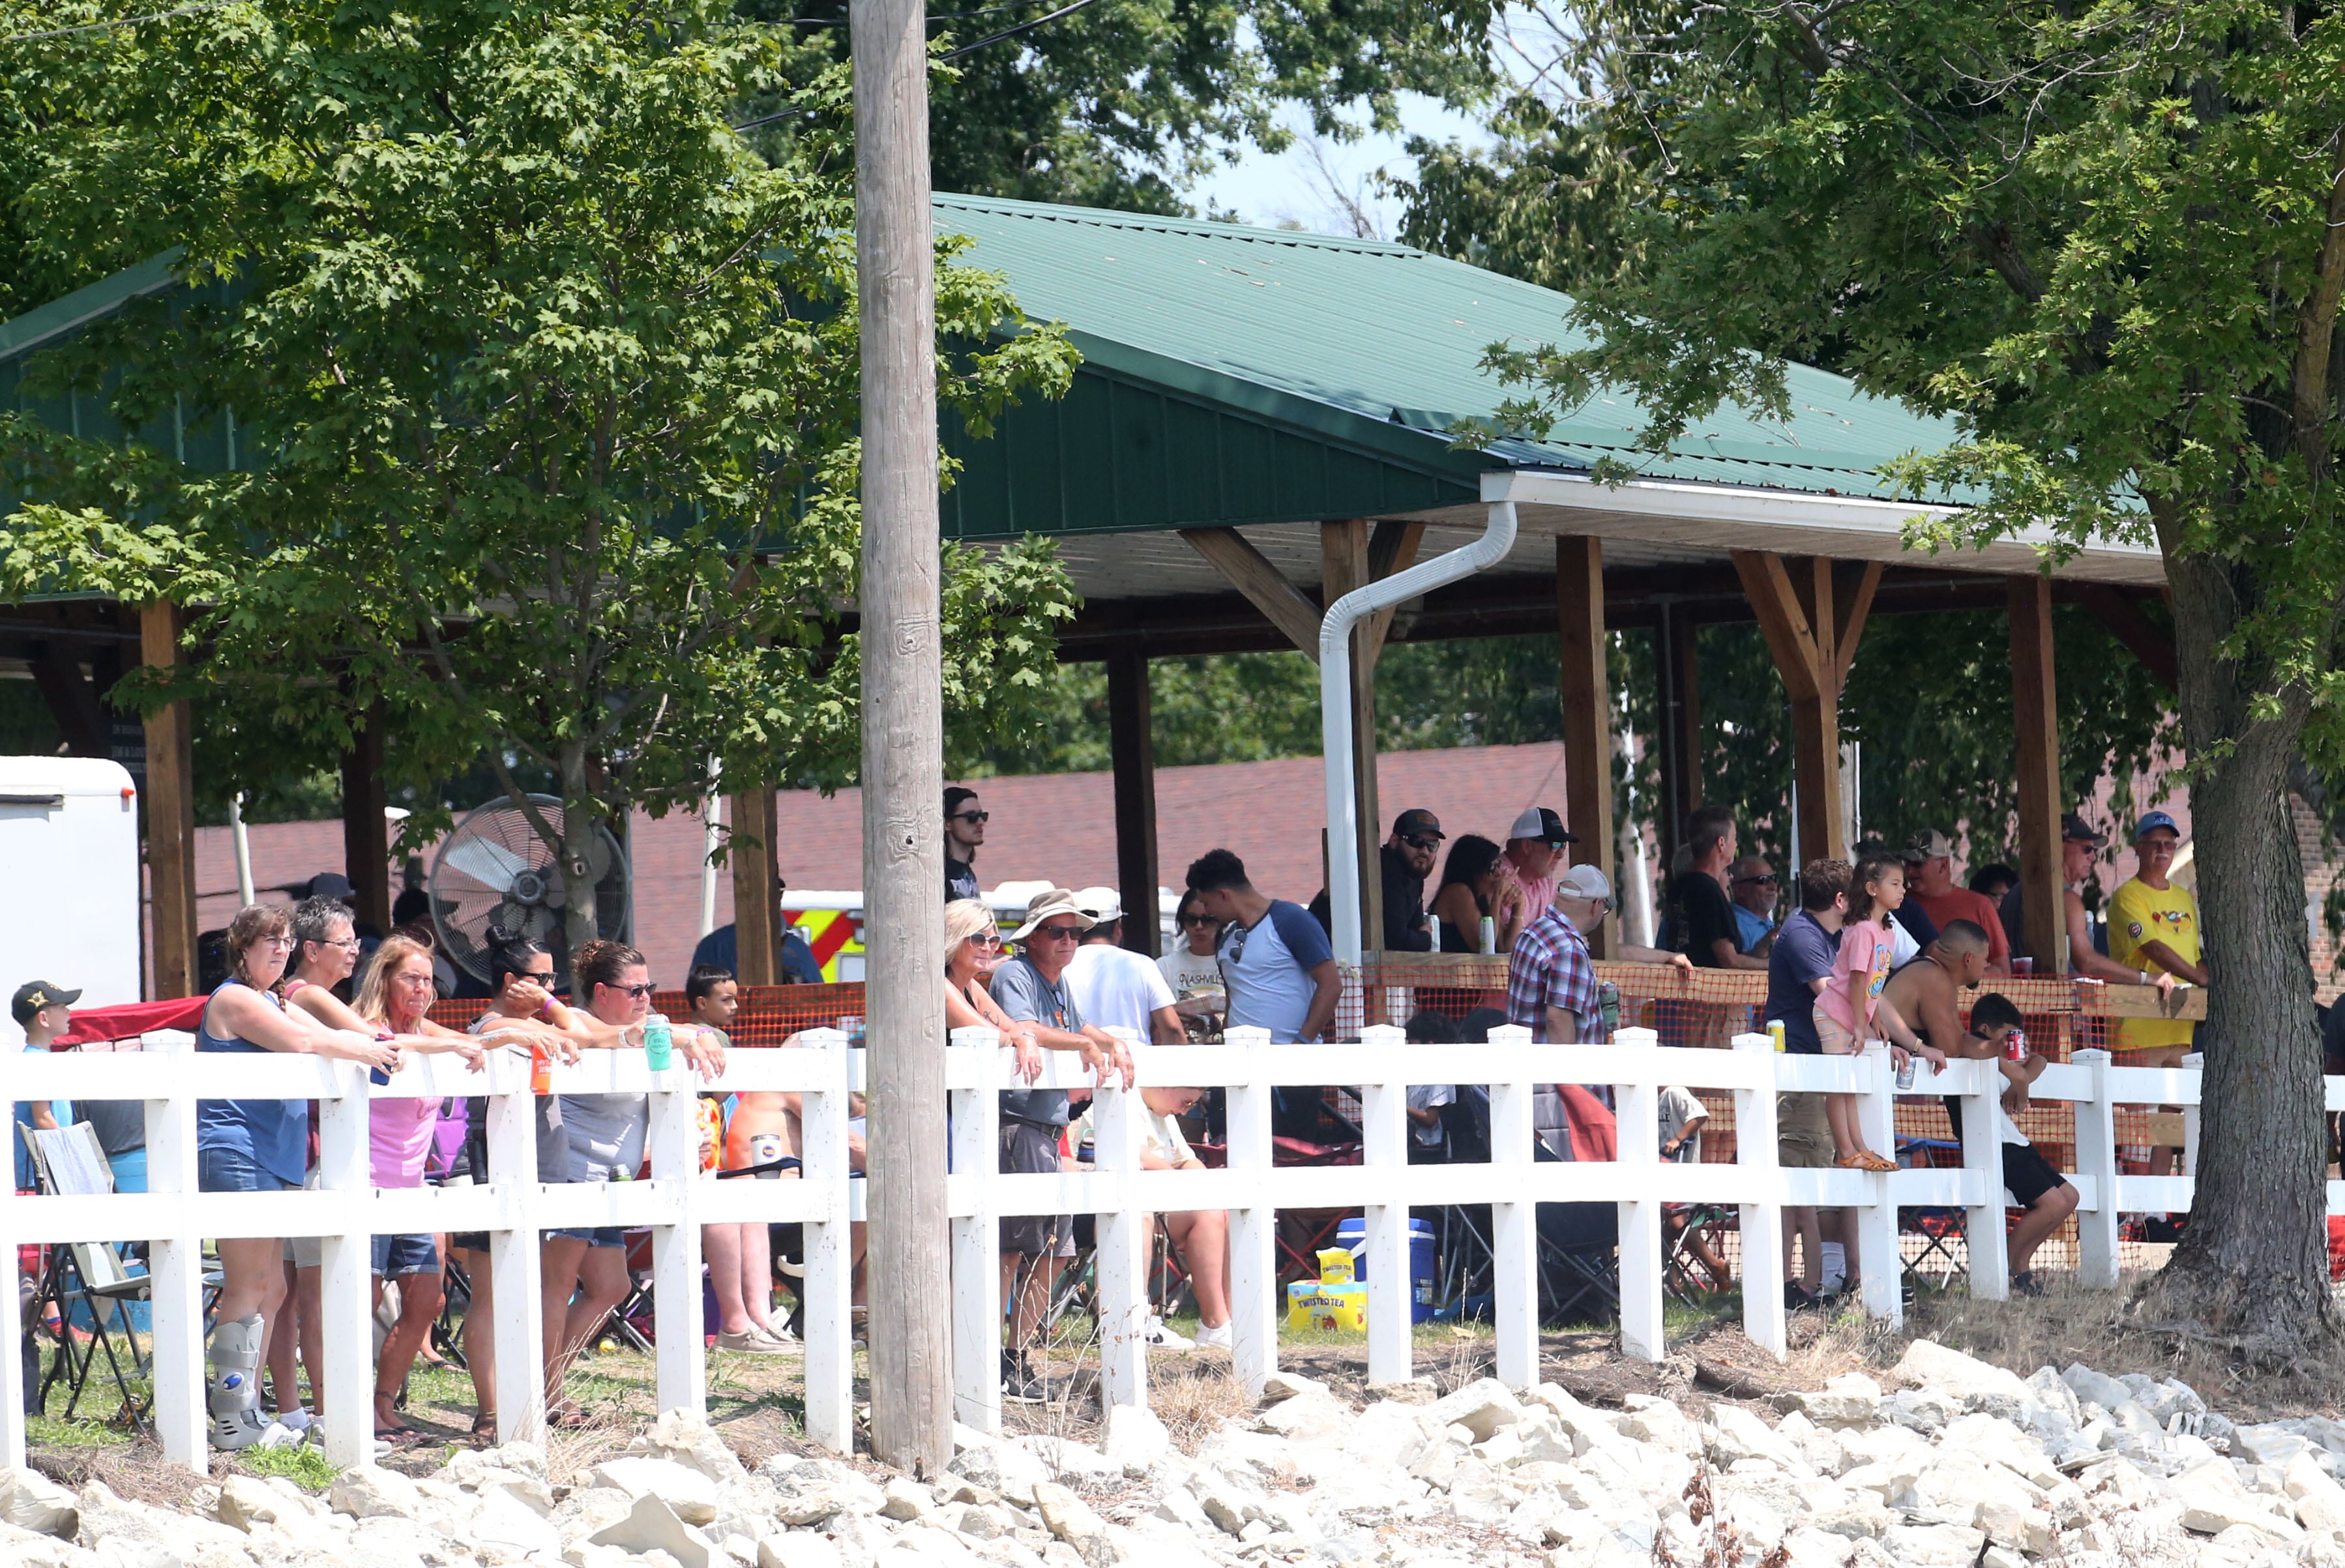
1115 988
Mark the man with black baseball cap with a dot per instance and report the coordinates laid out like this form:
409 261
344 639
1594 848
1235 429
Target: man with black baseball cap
1406 859
39 1008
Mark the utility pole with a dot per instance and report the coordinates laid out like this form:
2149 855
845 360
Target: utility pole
903 743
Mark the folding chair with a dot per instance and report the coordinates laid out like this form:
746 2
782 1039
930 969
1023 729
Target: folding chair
1938 1227
72 1163
1302 1232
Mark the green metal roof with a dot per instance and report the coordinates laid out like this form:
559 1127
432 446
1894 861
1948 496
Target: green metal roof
1234 375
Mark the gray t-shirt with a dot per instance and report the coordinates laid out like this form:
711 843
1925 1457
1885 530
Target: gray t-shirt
1025 997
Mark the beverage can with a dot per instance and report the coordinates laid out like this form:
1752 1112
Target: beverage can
1608 1003
1906 1075
541 1070
1776 1032
2014 1046
1490 934
659 1042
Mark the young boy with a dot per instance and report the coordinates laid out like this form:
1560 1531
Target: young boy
43 1011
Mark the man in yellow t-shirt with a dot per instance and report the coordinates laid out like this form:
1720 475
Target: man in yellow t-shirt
2154 928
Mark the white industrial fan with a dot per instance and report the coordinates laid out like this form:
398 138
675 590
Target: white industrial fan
496 877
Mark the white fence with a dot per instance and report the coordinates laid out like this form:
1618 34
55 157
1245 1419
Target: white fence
676 1200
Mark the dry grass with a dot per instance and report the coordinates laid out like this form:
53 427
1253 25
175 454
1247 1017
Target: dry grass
136 1471
1195 1397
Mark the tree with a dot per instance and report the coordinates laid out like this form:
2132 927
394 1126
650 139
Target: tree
549 388
2110 240
1122 103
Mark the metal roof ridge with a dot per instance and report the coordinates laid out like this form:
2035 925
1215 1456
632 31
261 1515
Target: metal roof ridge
83 305
1199 228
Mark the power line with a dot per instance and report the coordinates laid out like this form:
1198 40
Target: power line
119 21
951 53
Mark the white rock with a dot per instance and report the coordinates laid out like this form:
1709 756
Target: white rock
1065 1515
23 1548
1933 1545
510 1528
1312 1417
1281 1386
1850 1400
2092 1388
1134 1437
691 1443
1739 1433
818 1489
798 1548
1819 1447
1971 1383
651 1525
31 1500
687 1490
904 1499
1482 1407
2319 1501
369 1491
1653 1420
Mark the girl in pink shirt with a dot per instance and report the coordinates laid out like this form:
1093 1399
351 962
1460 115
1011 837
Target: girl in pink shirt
1849 1004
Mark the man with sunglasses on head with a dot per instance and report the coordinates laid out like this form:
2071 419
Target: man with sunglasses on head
1033 988
964 836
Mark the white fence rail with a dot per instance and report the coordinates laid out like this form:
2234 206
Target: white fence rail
676 1200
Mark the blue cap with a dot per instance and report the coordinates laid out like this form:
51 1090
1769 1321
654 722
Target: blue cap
2152 821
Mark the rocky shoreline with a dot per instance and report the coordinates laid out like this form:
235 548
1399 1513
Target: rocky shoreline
1959 1464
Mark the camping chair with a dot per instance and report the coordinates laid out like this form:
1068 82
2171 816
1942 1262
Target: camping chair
72 1163
1938 1226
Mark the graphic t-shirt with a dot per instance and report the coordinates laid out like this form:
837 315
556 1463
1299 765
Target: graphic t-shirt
1858 974
960 880
1190 974
1267 967
2138 914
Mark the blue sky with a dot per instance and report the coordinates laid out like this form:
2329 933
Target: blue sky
1269 188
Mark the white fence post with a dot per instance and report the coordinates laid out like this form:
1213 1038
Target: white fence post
1637 1107
1514 1225
2096 1156
516 1265
1254 1256
1384 1128
1123 1234
175 1265
345 1282
976 1238
12 1344
1982 1234
829 1282
1876 1221
1763 1317
680 1349
2197 1061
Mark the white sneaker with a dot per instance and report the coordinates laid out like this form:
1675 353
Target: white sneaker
1213 1339
1163 1338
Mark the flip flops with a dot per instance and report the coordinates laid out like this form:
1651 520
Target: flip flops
1866 1160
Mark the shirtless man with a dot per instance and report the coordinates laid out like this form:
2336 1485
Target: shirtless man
1929 992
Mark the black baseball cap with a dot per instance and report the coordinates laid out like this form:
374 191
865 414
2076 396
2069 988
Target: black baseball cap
1540 824
1418 823
2074 827
36 994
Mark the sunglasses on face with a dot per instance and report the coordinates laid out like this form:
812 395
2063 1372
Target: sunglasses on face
972 815
987 939
636 991
1766 881
1196 920
1058 933
1414 842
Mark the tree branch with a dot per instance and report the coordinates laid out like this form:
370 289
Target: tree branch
2316 326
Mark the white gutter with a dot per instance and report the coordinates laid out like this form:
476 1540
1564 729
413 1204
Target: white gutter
1335 705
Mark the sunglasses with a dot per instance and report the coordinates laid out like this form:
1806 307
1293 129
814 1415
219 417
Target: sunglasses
1058 933
987 939
1767 881
972 815
1196 920
1415 842
637 991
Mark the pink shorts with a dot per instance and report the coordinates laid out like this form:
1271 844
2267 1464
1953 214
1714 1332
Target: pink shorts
1837 1040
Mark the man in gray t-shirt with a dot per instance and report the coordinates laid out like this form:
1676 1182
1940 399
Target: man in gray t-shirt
1031 988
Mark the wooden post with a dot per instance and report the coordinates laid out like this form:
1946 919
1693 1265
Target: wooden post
1586 713
1343 567
1132 748
1812 618
903 740
1679 735
170 813
756 922
2035 721
366 833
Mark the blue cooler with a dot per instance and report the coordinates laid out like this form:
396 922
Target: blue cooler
1352 1234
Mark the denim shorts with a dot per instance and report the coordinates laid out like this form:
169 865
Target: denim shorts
398 1254
593 1234
220 1169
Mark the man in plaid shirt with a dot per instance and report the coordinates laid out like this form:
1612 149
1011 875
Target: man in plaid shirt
1550 978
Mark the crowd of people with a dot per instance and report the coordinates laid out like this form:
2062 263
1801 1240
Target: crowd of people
1885 947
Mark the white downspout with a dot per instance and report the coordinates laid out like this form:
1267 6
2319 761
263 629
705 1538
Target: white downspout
1335 705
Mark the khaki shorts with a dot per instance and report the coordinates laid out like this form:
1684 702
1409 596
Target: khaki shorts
1803 1139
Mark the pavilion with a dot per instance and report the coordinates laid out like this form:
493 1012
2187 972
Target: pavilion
1262 423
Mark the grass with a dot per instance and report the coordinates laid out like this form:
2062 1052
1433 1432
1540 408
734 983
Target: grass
302 1464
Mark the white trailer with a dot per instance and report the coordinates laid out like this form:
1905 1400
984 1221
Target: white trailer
70 911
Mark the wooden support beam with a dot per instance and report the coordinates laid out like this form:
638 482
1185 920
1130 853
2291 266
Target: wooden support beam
756 914
1586 713
1795 605
1854 584
366 833
1131 747
1393 548
170 814
2035 718
1247 570
1678 742
1345 565
2142 637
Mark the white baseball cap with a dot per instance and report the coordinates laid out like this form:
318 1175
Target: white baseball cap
1099 905
1583 881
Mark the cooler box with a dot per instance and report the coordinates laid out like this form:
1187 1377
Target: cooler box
1353 1236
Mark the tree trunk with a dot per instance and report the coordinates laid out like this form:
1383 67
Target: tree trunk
2251 1270
579 820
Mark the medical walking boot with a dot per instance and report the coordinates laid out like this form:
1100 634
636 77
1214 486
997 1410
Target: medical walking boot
233 1392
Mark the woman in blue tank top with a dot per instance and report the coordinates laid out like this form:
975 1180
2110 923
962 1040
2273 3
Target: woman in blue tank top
257 1146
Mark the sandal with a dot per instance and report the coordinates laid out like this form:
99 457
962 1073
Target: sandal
395 1435
485 1428
1866 1160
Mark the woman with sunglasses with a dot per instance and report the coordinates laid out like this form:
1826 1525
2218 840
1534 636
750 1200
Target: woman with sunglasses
1477 882
1194 971
972 947
257 1146
607 1134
